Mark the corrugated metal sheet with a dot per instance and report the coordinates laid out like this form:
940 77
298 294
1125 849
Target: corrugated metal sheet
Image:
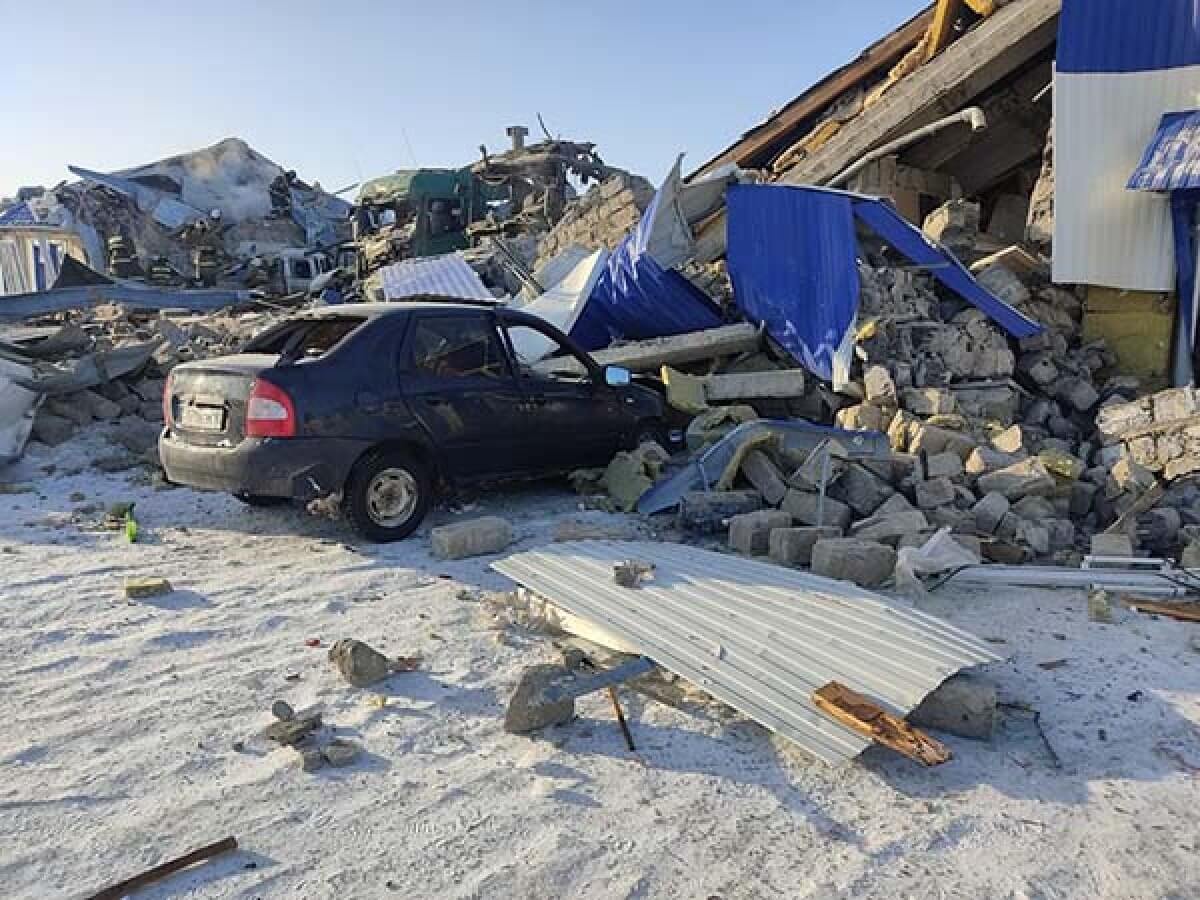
435 276
1172 161
1121 66
757 636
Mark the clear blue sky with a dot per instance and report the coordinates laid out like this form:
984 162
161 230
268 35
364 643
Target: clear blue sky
340 91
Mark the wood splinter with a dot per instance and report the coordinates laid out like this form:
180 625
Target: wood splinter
852 709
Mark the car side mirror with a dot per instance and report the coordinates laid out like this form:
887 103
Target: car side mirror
615 376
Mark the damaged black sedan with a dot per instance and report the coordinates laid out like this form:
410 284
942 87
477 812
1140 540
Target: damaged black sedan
387 403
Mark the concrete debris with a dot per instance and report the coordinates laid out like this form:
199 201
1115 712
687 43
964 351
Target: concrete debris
142 588
794 546
709 512
477 537
866 563
750 533
363 665
964 705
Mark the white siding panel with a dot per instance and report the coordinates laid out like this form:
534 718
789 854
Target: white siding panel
1105 234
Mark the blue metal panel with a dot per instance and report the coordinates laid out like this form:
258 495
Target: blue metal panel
1122 36
636 299
912 243
791 255
1172 160
19 214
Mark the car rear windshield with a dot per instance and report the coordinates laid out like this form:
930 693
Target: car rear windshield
305 338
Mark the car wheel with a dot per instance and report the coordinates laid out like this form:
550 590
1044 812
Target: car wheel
387 495
654 431
262 501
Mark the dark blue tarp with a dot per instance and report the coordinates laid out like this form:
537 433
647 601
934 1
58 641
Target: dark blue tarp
636 299
1123 36
791 256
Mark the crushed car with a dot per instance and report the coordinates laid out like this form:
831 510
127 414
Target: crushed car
388 403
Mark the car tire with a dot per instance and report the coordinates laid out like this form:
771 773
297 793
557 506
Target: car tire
652 430
259 500
387 495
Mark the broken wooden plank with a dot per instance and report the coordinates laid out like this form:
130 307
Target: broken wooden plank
855 711
117 891
1182 612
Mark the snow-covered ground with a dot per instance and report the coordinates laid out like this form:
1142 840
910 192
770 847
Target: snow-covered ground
132 733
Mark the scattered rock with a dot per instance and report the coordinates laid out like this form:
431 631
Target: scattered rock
141 588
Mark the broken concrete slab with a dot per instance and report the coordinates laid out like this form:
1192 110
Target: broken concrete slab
478 537
891 528
866 563
652 355
529 709
694 393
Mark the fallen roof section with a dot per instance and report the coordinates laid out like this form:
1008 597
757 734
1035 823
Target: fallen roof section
759 637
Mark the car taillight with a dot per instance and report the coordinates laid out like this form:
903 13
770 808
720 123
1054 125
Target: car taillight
166 400
269 411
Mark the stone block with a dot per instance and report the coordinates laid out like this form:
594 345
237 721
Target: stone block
489 534
861 490
51 429
964 705
1117 419
1083 495
890 528
866 563
934 493
989 511
879 388
1119 545
932 439
987 459
1174 404
1126 476
762 472
1022 479
862 417
1012 440
802 506
944 465
709 513
897 503
1034 508
793 546
928 401
750 533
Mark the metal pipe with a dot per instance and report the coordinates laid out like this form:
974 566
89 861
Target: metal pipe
1169 582
972 116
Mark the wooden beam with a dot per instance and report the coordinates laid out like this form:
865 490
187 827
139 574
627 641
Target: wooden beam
777 133
942 27
979 59
855 711
1183 612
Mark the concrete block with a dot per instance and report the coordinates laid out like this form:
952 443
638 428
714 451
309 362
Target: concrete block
944 465
1112 545
928 401
861 490
1127 476
935 492
989 511
490 534
1083 496
879 387
709 513
964 705
51 429
761 472
1019 480
802 506
1034 508
1012 440
862 417
897 503
866 563
750 533
793 546
988 459
891 528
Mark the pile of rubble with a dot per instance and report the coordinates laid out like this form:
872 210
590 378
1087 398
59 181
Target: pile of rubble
109 366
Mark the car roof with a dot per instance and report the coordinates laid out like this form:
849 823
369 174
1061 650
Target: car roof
374 310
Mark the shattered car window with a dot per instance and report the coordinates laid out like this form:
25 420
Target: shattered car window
457 348
305 338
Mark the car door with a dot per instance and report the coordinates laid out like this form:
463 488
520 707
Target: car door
458 380
579 423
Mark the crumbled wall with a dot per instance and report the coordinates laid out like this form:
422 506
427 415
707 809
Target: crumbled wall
601 217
